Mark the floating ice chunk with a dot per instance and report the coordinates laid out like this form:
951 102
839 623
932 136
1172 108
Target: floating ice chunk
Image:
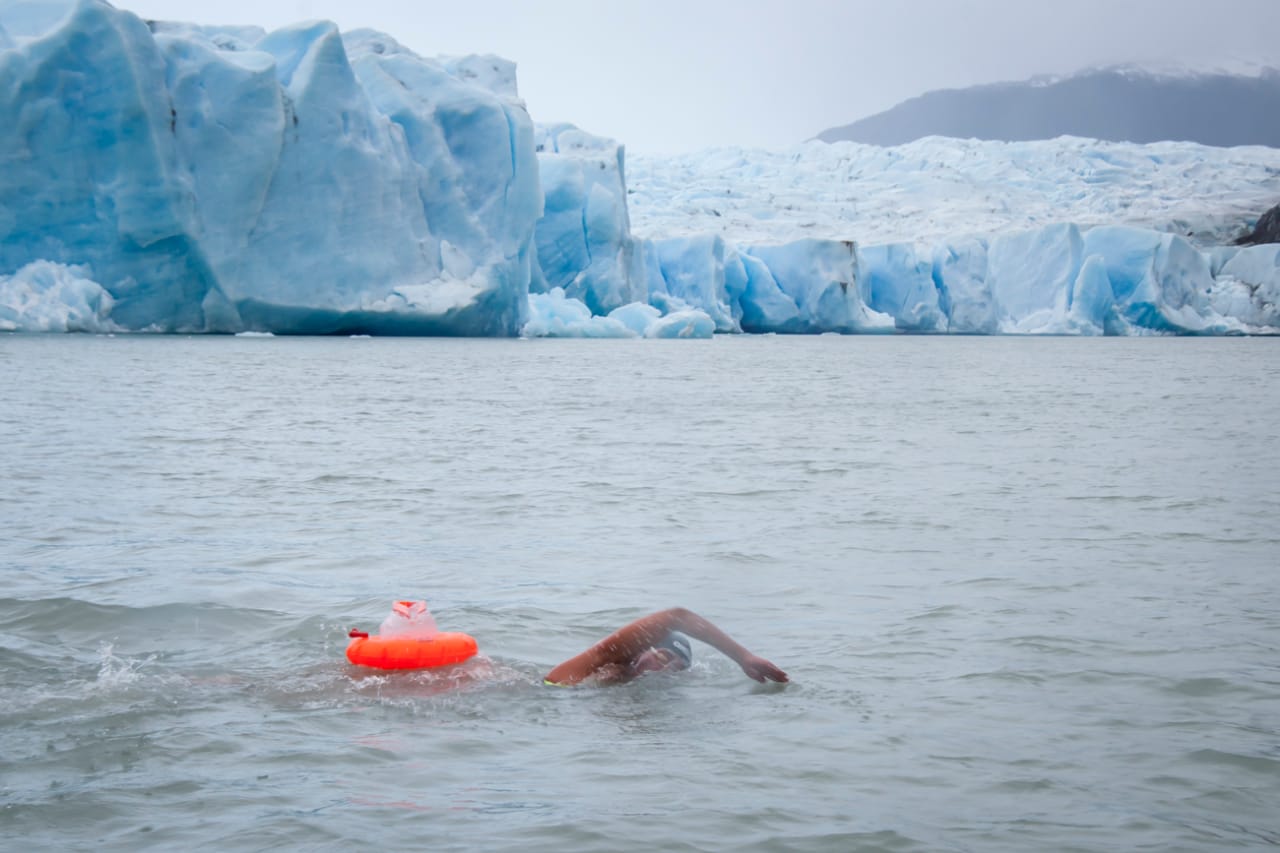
636 316
49 297
555 315
689 323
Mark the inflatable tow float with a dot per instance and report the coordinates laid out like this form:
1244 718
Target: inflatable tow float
409 639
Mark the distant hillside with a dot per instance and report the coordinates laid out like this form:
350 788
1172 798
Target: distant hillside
1118 105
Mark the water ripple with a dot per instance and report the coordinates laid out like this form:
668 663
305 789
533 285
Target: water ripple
1024 590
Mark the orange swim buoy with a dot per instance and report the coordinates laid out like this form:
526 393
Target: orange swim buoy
409 640
409 653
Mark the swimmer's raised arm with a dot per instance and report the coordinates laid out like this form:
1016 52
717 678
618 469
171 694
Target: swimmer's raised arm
619 654
700 629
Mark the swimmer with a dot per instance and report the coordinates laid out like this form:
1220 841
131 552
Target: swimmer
653 644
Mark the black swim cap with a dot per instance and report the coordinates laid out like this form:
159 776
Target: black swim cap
678 643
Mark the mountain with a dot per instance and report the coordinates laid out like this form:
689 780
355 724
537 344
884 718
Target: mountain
1114 104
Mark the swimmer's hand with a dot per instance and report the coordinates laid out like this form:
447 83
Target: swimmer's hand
761 670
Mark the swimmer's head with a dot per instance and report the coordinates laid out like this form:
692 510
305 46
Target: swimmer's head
672 653
679 644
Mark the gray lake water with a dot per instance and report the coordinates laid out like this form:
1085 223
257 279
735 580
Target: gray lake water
1026 590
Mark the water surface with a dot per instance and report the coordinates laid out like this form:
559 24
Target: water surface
1025 590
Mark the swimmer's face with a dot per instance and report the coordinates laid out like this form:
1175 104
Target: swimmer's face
657 660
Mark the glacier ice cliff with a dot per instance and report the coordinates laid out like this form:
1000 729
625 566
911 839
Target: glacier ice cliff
178 178
217 180
584 237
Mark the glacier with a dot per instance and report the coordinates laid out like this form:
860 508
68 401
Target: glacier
169 177
232 180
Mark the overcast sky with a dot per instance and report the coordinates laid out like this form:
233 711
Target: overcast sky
668 76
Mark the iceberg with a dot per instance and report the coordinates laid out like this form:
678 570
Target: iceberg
584 242
48 297
685 323
170 177
296 181
556 315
